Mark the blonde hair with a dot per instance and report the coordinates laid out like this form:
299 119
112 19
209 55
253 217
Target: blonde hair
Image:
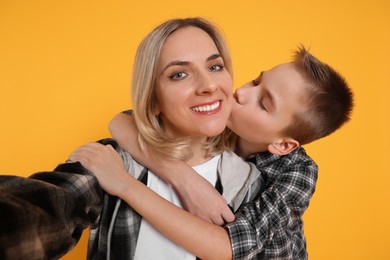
151 130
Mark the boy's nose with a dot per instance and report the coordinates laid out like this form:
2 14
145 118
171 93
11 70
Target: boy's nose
240 94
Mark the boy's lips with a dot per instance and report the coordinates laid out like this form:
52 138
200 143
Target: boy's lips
207 108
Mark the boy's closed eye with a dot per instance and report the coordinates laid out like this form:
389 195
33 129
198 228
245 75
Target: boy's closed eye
262 106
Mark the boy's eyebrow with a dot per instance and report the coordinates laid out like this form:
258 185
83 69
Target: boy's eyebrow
257 80
183 63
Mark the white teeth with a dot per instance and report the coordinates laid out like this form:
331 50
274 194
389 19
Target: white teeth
207 108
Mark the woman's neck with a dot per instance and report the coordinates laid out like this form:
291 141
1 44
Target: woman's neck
200 155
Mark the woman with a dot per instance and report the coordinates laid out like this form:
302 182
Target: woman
182 99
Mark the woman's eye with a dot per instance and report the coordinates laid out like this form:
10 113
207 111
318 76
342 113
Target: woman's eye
178 75
217 67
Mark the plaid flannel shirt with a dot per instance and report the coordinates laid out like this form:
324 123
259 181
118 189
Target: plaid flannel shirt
43 216
271 227
37 219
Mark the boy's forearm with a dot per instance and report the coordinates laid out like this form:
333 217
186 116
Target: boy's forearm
197 195
123 130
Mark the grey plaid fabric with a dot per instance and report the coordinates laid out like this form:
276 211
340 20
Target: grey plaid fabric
42 217
115 235
38 213
271 227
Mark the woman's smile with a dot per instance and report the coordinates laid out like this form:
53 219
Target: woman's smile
208 108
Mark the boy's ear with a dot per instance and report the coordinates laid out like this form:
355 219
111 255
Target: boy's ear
283 147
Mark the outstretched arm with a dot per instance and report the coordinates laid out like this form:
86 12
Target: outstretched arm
43 216
206 240
198 196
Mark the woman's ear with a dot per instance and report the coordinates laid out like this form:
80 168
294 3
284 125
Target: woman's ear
283 147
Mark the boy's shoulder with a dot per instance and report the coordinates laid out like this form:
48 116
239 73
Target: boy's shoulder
296 169
297 157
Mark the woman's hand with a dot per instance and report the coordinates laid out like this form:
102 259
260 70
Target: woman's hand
105 163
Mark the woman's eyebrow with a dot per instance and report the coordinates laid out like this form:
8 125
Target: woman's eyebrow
183 63
214 56
175 63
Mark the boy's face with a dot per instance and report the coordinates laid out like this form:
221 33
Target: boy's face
265 106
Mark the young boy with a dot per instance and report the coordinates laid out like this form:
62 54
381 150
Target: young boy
284 108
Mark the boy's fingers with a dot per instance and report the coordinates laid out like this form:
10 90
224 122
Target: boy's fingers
218 221
228 215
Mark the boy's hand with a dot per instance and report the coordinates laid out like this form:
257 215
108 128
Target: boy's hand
196 194
201 199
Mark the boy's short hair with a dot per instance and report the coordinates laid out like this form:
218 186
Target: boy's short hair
329 100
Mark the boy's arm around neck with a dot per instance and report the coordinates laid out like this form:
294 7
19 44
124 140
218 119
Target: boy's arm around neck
276 214
198 196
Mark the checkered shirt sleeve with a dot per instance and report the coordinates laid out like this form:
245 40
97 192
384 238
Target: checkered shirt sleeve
43 216
271 225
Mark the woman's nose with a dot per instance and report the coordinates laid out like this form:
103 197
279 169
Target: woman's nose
206 84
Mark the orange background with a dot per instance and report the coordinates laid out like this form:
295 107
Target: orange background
65 70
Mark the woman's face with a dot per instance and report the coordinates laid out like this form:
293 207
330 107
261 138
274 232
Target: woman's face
193 89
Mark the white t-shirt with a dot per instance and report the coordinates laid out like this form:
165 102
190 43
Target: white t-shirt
151 243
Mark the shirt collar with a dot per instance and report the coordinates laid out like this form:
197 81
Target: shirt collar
263 158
